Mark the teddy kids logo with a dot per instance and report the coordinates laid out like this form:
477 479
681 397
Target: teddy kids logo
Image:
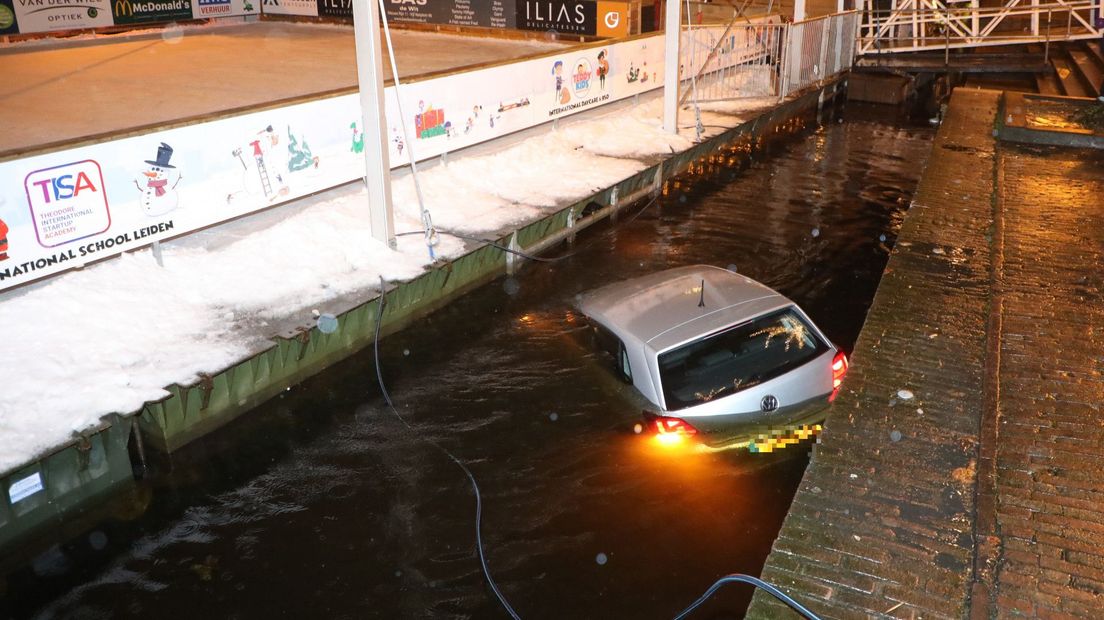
581 77
67 202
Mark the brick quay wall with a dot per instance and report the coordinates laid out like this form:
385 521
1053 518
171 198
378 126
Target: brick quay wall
959 474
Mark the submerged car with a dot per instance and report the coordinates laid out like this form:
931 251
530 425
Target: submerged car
717 354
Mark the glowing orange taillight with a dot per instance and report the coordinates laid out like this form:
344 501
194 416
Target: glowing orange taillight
673 426
839 369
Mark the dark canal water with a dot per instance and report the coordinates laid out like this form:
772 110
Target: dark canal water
323 505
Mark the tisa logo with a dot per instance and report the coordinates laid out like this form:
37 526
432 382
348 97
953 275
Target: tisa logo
573 16
67 202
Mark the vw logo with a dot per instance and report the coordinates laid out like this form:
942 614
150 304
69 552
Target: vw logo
612 19
769 403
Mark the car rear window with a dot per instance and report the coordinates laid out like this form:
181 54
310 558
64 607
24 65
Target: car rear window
737 358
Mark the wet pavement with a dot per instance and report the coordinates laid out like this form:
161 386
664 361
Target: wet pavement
958 475
323 503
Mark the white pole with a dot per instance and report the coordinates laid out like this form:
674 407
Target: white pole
377 166
799 10
672 23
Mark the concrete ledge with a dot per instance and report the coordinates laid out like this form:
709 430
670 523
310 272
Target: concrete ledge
882 524
1044 119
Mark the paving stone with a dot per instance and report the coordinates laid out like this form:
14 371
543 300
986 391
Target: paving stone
1008 451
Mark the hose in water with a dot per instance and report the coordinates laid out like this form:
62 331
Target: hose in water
443 450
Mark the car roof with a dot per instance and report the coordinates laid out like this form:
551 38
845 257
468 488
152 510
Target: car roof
662 309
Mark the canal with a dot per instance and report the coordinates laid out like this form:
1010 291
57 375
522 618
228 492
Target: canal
324 504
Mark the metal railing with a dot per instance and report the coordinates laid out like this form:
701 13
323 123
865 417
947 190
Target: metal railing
916 25
765 58
818 49
742 60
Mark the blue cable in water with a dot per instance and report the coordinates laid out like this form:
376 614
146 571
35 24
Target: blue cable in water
778 594
471 478
758 583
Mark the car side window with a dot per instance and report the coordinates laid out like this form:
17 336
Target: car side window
623 358
612 346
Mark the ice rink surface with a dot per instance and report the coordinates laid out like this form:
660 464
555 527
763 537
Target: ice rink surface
72 90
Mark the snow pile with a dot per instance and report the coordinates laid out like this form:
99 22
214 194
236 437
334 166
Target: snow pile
108 338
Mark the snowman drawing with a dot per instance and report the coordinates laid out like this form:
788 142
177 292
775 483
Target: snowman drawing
158 196
263 166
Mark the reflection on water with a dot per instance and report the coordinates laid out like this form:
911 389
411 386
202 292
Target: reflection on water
323 504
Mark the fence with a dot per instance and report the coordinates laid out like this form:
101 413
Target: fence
764 58
741 61
818 49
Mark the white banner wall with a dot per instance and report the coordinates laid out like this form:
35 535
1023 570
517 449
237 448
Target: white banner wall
65 208
46 15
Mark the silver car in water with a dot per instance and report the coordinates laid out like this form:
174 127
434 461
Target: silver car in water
715 352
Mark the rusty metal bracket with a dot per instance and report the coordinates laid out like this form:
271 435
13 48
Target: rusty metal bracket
304 339
207 384
84 452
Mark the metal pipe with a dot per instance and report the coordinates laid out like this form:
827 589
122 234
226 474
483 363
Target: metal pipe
1046 48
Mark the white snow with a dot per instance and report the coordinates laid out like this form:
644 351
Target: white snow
110 337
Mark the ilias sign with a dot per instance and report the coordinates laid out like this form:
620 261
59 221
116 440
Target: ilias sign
533 12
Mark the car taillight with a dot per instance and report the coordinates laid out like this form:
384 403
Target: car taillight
673 426
839 369
670 431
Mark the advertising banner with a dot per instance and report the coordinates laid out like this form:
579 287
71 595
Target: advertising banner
612 19
562 16
46 15
204 9
63 209
8 25
342 9
150 11
484 13
306 8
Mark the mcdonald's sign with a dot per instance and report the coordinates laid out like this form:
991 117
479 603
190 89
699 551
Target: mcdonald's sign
150 11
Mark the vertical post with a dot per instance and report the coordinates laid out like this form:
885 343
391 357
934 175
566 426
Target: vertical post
975 21
799 10
1034 18
673 30
377 166
1046 47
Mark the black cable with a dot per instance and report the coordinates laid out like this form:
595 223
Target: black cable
758 583
471 478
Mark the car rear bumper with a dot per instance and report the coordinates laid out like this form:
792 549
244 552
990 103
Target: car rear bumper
749 427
